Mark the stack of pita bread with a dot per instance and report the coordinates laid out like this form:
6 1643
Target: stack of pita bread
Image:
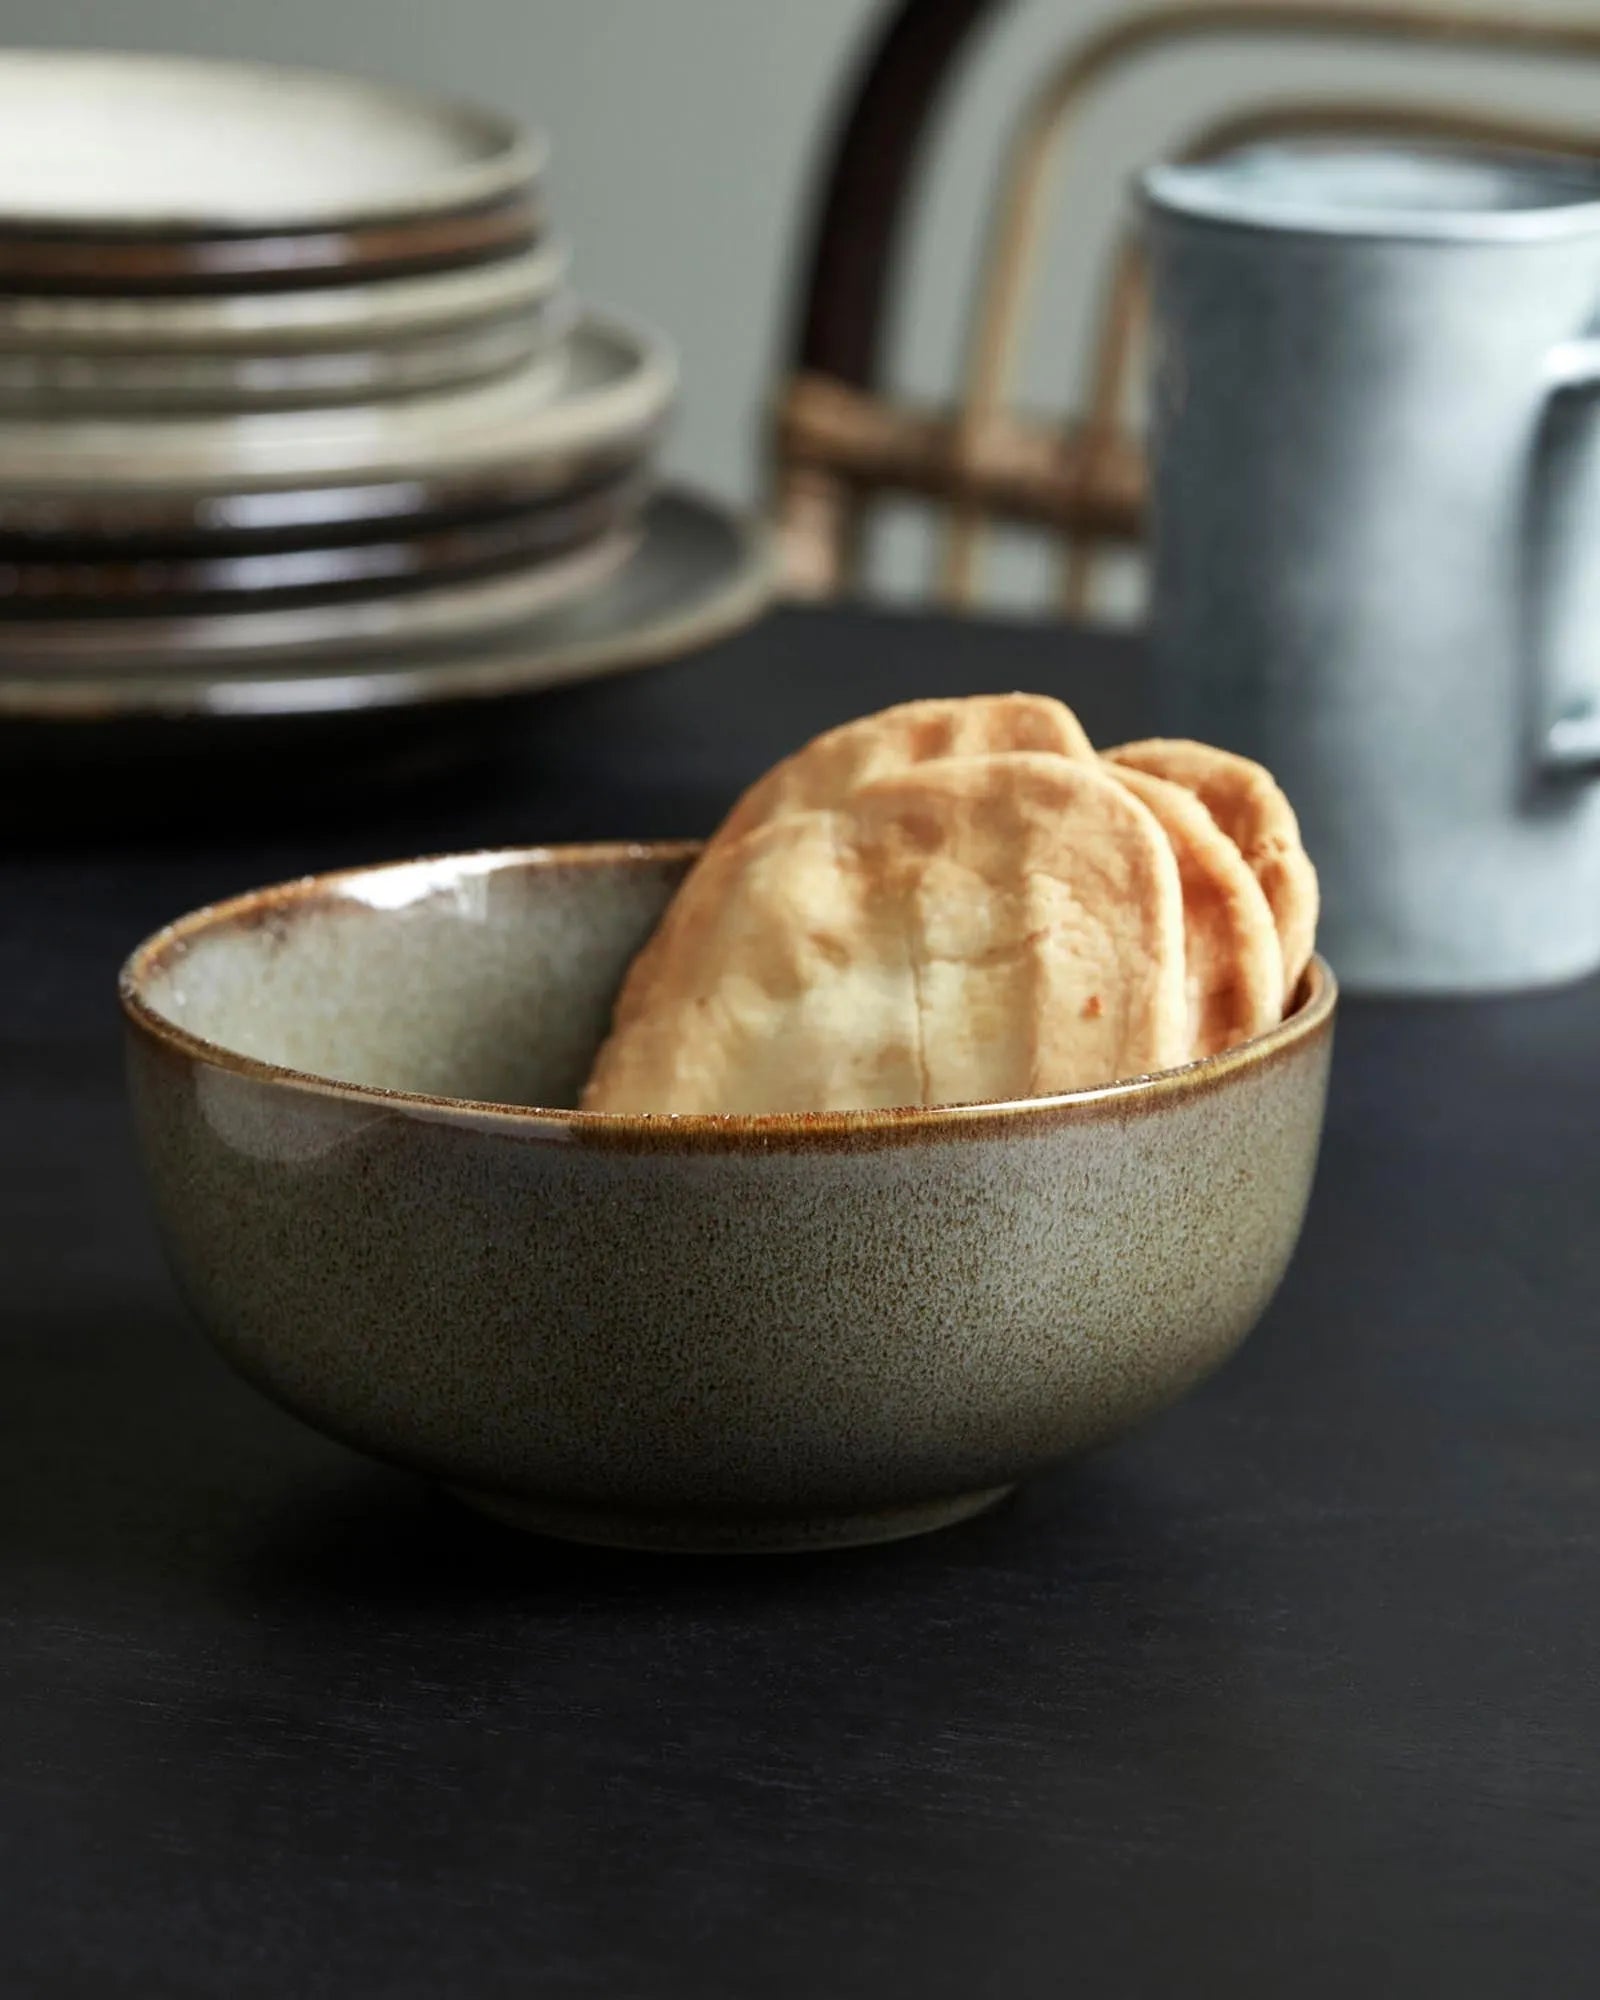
956 901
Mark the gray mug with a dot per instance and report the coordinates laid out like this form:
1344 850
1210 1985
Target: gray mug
1376 535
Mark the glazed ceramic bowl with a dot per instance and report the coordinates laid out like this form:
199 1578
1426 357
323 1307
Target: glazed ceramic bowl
755 1333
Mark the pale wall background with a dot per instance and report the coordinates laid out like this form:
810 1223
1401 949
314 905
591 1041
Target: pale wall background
684 131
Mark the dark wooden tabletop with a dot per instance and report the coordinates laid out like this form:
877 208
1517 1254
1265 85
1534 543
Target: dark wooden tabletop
1296 1693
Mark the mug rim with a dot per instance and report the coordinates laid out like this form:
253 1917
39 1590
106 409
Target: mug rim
1175 188
666 1132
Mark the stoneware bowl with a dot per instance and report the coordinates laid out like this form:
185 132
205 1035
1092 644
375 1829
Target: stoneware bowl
694 1333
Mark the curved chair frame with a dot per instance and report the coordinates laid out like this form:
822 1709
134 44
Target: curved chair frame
840 442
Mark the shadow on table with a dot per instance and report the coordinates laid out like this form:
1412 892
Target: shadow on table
385 1537
139 1469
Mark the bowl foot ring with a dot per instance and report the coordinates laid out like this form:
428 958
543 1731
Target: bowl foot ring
755 1534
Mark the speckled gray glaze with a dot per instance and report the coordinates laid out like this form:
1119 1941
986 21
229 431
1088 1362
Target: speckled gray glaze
692 1333
1374 520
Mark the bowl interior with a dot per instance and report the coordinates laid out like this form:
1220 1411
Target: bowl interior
484 977
487 977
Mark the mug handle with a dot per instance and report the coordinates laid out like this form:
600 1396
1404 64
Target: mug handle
1564 536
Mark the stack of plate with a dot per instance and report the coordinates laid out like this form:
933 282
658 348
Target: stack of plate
294 396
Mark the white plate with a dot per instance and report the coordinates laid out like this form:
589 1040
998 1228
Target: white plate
147 144
615 387
319 316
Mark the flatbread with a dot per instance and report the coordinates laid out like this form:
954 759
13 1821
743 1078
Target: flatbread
1231 949
968 929
831 766
1246 802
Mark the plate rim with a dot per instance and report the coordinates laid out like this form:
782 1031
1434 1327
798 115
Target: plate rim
488 671
108 383
376 309
225 639
518 155
631 405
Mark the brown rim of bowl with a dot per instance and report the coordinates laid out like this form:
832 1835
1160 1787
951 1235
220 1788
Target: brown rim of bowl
667 1132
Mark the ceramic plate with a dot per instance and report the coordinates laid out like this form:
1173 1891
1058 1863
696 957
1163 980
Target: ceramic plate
174 585
698 573
84 525
138 144
615 386
171 266
277 321
56 380
222 641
